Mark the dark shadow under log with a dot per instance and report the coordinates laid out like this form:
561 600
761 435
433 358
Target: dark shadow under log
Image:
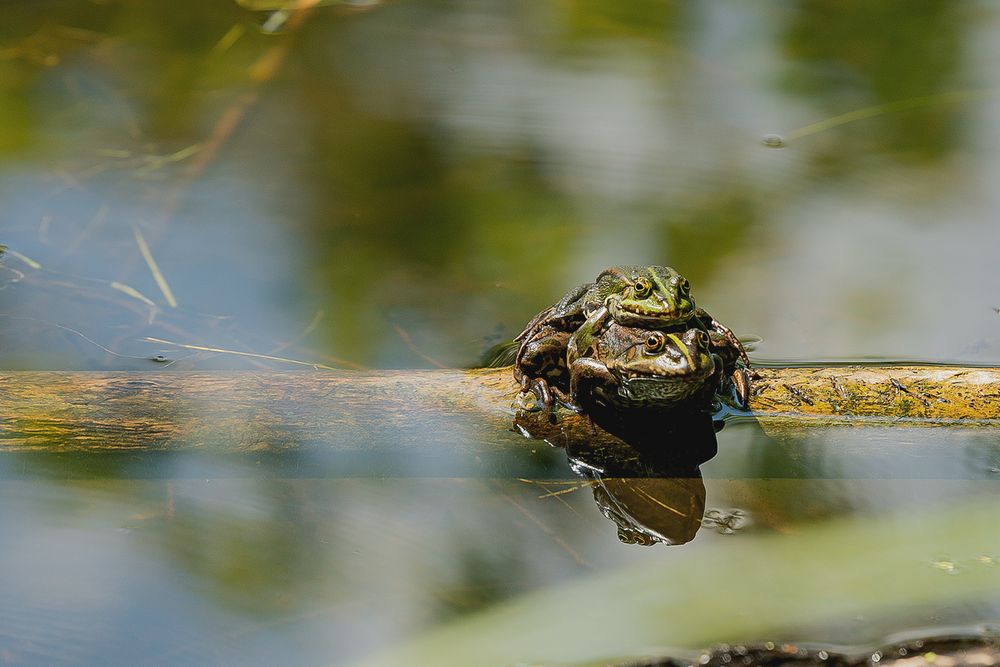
448 422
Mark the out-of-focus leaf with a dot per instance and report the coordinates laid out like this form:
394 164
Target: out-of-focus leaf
279 5
842 569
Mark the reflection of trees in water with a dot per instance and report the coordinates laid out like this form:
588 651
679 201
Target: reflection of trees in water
452 178
848 55
814 475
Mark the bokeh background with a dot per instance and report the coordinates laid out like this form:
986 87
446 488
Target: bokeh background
403 184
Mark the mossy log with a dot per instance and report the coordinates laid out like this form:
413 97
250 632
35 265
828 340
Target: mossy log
872 394
459 422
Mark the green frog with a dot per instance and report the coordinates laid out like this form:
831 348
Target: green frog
650 297
626 367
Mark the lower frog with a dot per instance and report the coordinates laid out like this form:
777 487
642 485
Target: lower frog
624 367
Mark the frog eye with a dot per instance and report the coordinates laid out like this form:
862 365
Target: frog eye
684 286
655 342
701 338
642 287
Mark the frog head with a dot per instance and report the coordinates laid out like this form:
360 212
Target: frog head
663 368
647 296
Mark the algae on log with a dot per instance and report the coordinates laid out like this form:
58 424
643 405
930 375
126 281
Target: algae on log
458 421
875 395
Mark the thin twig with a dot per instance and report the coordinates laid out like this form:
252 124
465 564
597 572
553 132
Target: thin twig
577 558
413 348
220 350
161 281
951 97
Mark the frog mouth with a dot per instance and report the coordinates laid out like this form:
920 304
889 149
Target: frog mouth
663 310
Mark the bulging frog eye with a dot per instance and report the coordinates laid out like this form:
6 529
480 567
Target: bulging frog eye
684 286
701 338
642 287
655 342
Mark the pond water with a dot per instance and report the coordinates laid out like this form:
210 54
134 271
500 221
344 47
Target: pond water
214 186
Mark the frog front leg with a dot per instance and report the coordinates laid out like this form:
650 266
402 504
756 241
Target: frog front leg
585 375
583 341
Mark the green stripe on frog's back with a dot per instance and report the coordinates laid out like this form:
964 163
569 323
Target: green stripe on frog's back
683 348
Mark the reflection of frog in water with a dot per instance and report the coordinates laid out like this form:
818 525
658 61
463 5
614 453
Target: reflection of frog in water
646 297
648 510
651 488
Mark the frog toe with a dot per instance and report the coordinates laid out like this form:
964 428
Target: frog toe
741 387
541 389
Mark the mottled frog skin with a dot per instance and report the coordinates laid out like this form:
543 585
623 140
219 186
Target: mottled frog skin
541 364
627 367
646 297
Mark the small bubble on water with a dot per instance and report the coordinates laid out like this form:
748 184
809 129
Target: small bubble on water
822 655
877 656
769 646
773 141
986 559
160 358
946 566
705 658
902 650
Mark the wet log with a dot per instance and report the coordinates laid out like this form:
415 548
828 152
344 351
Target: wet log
917 395
457 420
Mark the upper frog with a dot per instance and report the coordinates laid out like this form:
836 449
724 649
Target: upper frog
637 368
646 296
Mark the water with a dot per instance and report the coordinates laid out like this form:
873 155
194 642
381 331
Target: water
403 185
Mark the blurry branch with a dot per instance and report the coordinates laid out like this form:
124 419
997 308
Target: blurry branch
953 97
261 72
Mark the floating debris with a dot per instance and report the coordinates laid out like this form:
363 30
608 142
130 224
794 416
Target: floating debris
773 141
726 522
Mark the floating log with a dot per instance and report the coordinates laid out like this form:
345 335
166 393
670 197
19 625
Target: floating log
458 421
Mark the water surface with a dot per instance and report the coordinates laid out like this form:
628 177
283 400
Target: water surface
403 184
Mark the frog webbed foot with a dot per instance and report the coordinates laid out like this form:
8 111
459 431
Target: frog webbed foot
566 400
741 386
540 388
734 387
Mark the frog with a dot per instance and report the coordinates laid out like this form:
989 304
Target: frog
648 297
627 368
